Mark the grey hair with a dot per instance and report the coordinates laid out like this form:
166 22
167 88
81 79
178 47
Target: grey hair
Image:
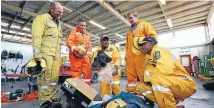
52 5
81 20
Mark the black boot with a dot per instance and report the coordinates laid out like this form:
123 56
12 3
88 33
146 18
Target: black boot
46 104
56 104
35 87
149 102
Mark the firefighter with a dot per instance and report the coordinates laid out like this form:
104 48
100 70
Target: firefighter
165 81
80 53
47 34
134 59
112 52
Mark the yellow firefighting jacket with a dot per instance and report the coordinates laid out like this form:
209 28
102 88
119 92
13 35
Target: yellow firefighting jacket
161 61
142 29
47 35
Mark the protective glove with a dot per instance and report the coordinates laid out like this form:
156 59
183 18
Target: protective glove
37 55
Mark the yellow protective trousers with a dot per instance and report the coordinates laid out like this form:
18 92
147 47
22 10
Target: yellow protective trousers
134 70
109 88
135 63
165 89
48 80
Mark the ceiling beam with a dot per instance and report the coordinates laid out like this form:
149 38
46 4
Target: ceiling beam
11 22
172 4
76 11
17 9
187 23
88 10
189 6
211 12
12 34
15 29
15 41
113 11
180 8
125 3
123 26
197 15
31 18
22 8
190 21
164 25
189 12
141 7
145 6
164 14
156 16
182 27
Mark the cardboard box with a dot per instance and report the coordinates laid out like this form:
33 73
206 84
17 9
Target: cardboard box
79 92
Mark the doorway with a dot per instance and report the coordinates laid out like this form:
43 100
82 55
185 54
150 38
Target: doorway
186 62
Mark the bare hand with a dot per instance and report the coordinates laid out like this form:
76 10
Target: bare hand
115 73
79 53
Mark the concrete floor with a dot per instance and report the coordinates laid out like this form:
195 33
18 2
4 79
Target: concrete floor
201 99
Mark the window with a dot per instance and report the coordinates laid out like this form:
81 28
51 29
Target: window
193 36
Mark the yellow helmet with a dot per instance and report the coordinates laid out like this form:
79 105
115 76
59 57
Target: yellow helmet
211 61
80 47
117 103
135 46
35 68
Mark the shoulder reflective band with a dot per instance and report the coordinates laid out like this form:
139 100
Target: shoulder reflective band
160 88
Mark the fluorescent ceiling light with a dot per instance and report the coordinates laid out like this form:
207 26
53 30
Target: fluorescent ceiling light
69 10
12 32
4 24
4 30
22 34
15 26
118 35
96 24
27 29
163 2
169 22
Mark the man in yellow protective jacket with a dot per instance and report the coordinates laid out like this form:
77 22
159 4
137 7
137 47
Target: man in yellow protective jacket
135 59
165 81
114 54
47 34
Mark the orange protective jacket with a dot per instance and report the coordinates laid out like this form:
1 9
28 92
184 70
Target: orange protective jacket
76 37
80 66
